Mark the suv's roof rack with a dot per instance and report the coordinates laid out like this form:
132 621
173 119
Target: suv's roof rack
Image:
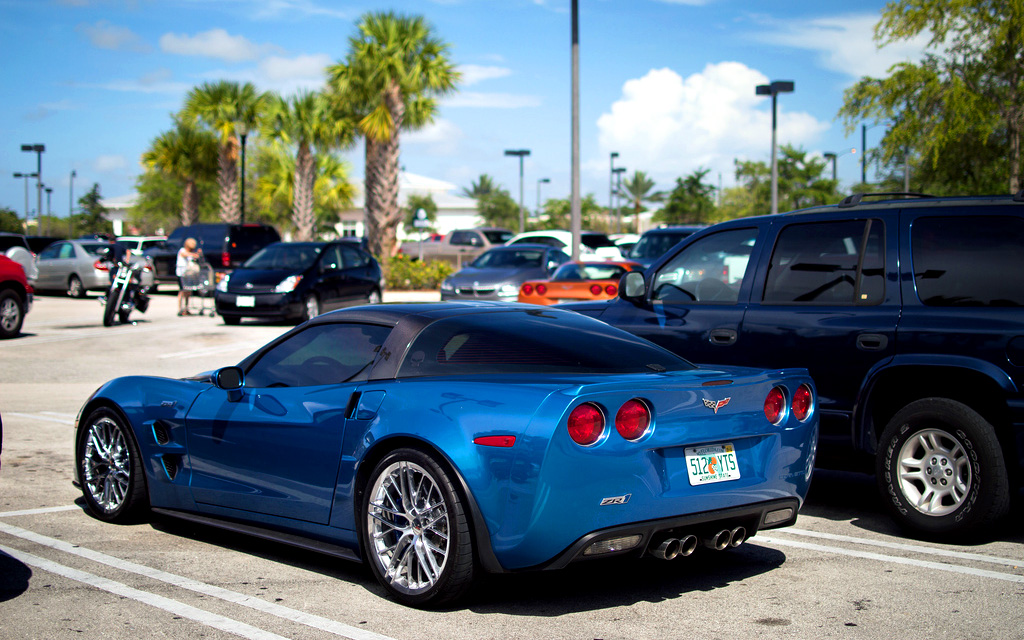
854 199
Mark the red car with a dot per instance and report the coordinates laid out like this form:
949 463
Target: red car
15 297
577 282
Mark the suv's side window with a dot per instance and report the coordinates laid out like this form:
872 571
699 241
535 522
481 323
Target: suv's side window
971 261
828 263
711 270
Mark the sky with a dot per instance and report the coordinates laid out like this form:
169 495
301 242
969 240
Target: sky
667 84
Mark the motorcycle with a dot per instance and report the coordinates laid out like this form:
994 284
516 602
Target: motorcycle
125 293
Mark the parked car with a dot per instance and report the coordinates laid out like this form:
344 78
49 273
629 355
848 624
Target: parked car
655 243
438 441
498 273
73 266
139 244
576 282
16 247
458 247
225 246
593 246
298 281
15 297
38 243
906 312
8 240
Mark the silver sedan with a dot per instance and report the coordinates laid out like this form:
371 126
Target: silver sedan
77 266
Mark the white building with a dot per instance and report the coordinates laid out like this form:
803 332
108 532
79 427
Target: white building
117 210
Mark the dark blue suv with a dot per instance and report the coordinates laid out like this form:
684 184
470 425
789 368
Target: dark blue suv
908 313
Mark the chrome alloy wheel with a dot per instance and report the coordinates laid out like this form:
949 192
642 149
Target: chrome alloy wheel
408 527
10 314
934 472
106 464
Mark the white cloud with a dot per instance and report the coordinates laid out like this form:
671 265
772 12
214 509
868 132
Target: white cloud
107 36
306 67
669 126
215 43
442 137
109 164
474 73
845 43
493 100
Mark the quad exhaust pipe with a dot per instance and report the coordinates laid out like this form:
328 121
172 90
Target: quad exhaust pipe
672 548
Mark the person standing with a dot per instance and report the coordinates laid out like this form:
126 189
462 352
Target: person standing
187 264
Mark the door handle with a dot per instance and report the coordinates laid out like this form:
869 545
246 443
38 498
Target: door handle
723 337
872 342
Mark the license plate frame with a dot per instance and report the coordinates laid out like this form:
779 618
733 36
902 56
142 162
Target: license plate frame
245 301
711 463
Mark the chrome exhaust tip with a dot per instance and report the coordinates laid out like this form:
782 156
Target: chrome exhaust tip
719 541
687 545
737 537
669 549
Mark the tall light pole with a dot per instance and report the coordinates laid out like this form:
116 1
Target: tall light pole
26 176
539 182
38 149
243 130
71 203
521 153
864 150
49 212
575 211
618 171
611 187
832 157
774 89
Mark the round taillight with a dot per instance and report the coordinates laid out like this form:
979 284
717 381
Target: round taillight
542 289
586 424
633 419
527 289
803 401
775 405
611 290
595 289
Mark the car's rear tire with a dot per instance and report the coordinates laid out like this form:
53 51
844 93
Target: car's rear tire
415 530
12 314
75 287
231 320
110 468
373 297
941 469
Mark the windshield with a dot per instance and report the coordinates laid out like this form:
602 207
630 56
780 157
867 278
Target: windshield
285 257
510 259
655 245
589 271
497 236
596 240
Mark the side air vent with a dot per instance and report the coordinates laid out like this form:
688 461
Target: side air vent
161 433
171 464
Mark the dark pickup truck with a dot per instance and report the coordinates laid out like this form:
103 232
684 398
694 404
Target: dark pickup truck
909 315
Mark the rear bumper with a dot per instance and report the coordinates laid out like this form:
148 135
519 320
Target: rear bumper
265 305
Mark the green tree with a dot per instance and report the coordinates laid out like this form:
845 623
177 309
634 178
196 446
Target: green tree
690 202
224 106
966 96
498 209
9 221
160 201
558 211
414 203
390 79
802 183
309 123
639 191
188 155
90 219
481 187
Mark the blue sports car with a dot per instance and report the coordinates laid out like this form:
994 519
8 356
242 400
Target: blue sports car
434 441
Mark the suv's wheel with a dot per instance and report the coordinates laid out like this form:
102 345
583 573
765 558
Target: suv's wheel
11 314
941 469
415 533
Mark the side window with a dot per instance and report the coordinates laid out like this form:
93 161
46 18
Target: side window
331 259
975 261
51 251
461 238
828 263
711 270
67 250
352 258
322 354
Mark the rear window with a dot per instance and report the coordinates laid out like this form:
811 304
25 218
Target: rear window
654 245
975 261
246 238
596 240
497 237
533 341
95 248
589 271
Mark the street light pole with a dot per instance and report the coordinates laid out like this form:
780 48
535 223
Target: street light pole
575 206
243 130
71 203
618 171
521 153
49 212
774 89
38 149
611 187
26 176
545 181
833 157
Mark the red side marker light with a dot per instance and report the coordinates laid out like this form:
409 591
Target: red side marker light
495 441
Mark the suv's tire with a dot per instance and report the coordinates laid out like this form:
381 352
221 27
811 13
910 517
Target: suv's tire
941 469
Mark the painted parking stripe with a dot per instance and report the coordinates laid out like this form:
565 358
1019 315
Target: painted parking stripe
274 609
44 418
198 353
867 555
899 546
35 512
160 602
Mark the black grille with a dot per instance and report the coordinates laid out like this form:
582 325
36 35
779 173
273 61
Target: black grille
171 463
161 433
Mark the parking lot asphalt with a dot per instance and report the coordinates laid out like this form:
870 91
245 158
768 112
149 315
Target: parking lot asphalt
844 571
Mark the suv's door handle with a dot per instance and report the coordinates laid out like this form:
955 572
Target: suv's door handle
872 342
723 337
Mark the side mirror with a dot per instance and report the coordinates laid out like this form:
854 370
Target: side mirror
632 287
230 379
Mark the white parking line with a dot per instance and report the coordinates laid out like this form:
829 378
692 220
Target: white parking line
198 353
82 334
307 619
35 512
160 602
45 418
867 555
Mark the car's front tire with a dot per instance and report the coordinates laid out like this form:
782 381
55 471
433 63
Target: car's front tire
12 314
415 530
310 307
110 468
941 469
75 287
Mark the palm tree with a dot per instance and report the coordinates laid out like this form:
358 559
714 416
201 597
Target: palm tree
186 154
638 190
389 80
223 106
484 186
308 122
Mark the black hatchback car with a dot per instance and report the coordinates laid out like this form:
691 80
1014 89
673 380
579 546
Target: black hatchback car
298 281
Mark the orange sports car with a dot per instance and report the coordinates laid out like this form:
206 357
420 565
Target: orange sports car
577 282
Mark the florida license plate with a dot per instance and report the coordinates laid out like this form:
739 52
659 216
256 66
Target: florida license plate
245 301
712 463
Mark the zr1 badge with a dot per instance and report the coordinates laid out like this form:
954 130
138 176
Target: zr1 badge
616 500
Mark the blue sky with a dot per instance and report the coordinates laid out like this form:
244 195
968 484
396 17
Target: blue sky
668 84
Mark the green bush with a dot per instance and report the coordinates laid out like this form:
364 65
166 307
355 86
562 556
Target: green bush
405 273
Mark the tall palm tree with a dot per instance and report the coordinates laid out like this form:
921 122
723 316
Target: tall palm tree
638 190
481 187
223 106
186 154
309 123
394 71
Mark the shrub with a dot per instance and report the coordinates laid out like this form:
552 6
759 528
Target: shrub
405 273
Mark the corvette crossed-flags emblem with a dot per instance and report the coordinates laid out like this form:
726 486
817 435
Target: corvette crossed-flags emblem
715 406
